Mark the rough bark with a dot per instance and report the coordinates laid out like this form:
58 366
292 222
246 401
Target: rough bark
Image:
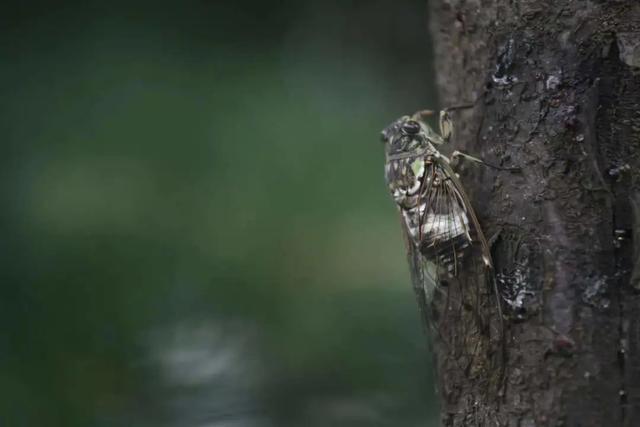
556 89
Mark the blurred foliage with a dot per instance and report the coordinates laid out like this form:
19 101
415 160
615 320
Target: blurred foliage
196 231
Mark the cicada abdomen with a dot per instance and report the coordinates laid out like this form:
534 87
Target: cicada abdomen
439 225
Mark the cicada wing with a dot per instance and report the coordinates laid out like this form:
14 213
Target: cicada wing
423 278
451 254
482 264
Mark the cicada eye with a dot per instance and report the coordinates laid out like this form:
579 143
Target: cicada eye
411 127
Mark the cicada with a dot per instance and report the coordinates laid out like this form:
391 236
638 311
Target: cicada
445 242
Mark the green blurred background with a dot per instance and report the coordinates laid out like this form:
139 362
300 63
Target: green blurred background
195 226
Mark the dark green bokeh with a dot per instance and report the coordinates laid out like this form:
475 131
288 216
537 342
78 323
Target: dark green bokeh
196 231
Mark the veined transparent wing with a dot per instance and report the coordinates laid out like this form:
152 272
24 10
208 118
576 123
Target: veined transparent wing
449 258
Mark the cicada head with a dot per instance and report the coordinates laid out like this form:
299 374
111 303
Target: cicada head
408 146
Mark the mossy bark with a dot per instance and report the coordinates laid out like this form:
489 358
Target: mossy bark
556 92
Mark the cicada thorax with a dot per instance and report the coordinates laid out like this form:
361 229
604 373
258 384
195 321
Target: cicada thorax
404 182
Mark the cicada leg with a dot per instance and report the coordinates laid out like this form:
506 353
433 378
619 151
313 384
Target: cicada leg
457 154
444 120
446 126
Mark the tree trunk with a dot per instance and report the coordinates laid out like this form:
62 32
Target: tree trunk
555 89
